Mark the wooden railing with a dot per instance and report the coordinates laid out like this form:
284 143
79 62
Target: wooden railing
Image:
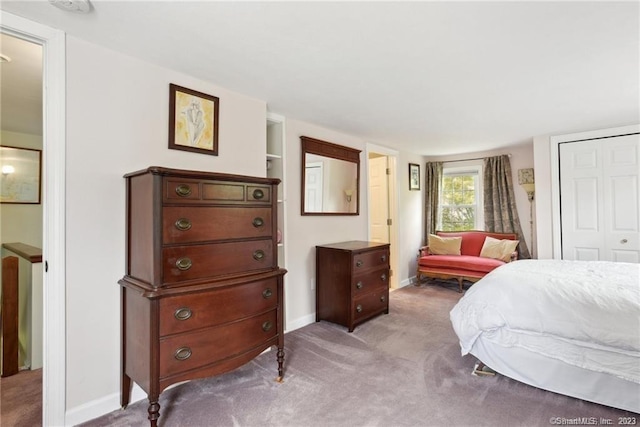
9 316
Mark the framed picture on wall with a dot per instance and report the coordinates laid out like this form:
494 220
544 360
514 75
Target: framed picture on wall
414 176
193 121
21 180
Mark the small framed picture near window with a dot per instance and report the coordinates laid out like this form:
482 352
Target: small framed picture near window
193 121
21 175
414 176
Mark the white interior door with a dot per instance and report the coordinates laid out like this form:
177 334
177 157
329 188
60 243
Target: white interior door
600 199
379 193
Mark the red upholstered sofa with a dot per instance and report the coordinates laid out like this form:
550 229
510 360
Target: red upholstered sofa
466 266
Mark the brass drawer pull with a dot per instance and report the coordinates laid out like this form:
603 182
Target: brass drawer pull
182 313
359 308
258 222
383 298
258 255
183 224
267 293
359 285
183 190
383 258
258 194
359 263
184 264
383 277
183 353
266 326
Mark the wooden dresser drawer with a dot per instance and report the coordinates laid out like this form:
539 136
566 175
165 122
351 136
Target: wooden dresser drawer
217 259
370 304
367 282
370 259
185 224
179 353
210 192
203 309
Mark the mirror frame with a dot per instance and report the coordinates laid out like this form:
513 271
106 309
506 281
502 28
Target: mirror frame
334 151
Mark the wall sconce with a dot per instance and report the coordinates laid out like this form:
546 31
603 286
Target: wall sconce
348 194
8 169
527 181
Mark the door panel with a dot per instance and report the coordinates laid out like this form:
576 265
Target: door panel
600 199
378 191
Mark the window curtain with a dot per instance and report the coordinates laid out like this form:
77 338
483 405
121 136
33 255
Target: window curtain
433 180
500 213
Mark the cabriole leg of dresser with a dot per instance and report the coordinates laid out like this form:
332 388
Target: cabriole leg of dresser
280 356
154 411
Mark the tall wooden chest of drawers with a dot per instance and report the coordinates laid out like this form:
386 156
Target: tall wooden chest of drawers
203 293
352 282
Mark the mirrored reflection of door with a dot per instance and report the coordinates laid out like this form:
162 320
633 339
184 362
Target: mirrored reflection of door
313 187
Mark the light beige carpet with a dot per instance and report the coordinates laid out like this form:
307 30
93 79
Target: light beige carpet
400 369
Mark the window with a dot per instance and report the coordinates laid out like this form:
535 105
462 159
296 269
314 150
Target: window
460 205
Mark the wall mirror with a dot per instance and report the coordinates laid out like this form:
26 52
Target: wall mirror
330 178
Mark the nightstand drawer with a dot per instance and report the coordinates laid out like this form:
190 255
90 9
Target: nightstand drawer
203 309
185 224
179 353
370 259
363 283
370 304
202 261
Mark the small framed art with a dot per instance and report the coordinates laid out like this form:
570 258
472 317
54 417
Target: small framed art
193 121
414 176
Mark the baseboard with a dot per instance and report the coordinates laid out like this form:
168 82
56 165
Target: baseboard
300 322
409 281
99 407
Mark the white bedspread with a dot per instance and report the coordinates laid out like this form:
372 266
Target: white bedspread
584 313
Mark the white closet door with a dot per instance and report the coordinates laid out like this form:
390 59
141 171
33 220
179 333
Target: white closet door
600 199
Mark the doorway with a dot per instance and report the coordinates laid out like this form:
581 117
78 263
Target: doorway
383 223
53 207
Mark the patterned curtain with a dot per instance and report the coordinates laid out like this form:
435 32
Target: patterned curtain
433 180
500 213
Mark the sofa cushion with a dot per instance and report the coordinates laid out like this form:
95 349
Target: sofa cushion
498 249
472 241
444 245
460 262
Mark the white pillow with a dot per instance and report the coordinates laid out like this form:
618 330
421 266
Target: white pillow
444 245
498 249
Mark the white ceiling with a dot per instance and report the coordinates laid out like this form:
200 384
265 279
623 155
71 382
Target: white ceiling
433 78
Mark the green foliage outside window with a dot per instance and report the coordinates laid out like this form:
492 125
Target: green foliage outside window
458 202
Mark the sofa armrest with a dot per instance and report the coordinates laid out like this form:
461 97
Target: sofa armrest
423 251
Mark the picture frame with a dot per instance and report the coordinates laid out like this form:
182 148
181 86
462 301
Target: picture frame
21 179
414 177
193 120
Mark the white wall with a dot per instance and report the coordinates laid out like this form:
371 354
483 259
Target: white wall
305 232
410 217
21 223
521 158
117 122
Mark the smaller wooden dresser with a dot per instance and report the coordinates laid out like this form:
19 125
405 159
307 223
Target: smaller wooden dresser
352 282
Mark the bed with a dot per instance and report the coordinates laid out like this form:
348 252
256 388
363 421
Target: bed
570 327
